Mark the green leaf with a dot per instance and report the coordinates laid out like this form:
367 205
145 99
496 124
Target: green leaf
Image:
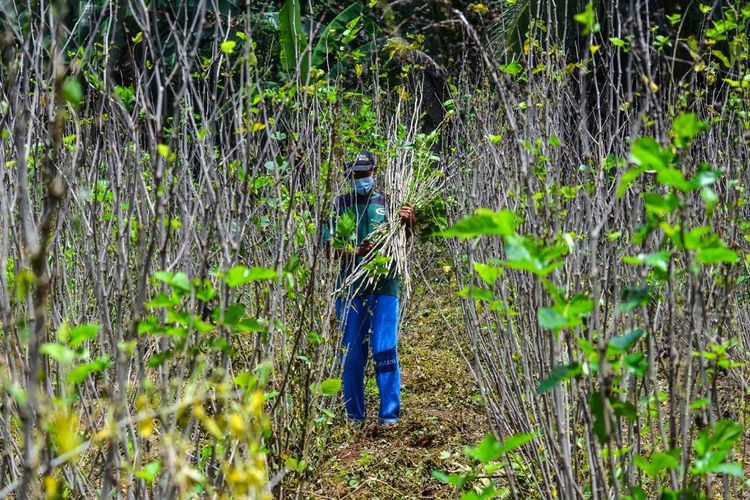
705 177
634 297
660 461
636 492
660 204
657 260
472 292
327 41
624 409
252 325
149 471
557 375
721 438
622 343
149 324
637 364
484 222
228 46
182 282
551 319
59 353
71 91
512 69
588 19
710 198
455 480
730 468
685 127
647 153
675 178
488 274
713 446
78 374
579 306
516 441
240 275
163 300
330 387
627 179
232 314
486 451
179 281
159 358
293 40
602 419
82 333
716 255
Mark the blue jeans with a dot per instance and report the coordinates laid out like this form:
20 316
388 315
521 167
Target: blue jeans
370 318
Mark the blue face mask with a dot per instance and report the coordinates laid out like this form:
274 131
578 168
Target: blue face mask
363 185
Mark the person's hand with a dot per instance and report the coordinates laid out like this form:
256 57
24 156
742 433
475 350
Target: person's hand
364 248
407 215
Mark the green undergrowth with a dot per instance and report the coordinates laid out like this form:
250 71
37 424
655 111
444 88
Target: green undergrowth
441 414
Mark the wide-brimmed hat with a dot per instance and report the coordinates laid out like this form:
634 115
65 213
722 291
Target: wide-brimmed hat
365 161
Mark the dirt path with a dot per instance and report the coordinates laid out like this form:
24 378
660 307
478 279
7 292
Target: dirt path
441 413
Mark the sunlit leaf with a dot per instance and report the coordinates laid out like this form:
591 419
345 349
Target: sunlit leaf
685 127
330 387
82 333
228 46
484 222
588 19
240 275
716 255
59 353
149 471
647 153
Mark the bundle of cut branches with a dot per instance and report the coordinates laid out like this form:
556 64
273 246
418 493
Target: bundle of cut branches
408 177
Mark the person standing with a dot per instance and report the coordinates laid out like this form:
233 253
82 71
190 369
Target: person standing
367 310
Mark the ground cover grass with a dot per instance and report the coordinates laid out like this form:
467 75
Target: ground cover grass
441 413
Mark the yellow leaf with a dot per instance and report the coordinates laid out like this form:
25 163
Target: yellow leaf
256 403
358 70
65 427
256 477
479 8
163 150
50 486
141 402
594 49
212 427
146 427
236 476
236 424
257 126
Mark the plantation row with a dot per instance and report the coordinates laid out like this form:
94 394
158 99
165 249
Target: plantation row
167 302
